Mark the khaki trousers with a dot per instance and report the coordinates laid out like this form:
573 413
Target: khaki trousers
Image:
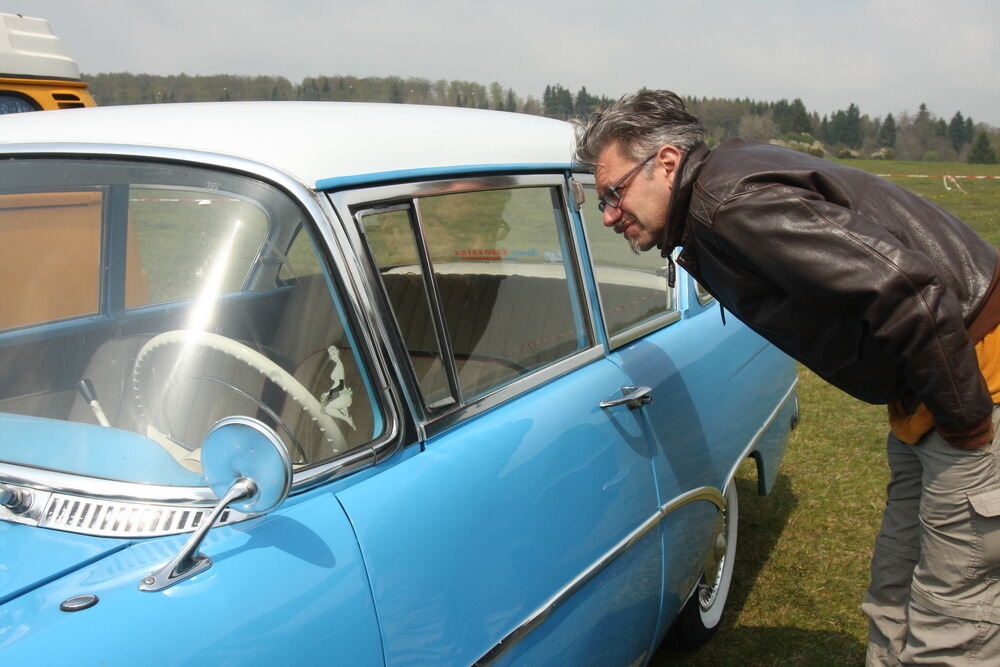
934 597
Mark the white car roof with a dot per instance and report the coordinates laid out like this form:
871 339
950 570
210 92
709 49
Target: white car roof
315 142
29 48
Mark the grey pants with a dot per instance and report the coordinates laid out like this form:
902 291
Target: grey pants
934 597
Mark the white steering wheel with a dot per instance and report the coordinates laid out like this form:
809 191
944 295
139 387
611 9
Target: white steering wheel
249 357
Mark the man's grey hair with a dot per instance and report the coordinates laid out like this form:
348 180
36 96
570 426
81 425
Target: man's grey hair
641 123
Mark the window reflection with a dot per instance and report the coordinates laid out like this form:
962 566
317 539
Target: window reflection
633 287
507 297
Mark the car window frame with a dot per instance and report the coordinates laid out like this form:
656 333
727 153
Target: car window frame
348 202
643 327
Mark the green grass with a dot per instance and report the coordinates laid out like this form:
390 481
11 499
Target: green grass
802 558
977 202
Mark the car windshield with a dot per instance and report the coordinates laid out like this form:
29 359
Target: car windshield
143 302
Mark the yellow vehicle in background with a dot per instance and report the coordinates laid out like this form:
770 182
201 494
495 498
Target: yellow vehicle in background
36 72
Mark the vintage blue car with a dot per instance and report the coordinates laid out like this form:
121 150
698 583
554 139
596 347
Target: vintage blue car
353 384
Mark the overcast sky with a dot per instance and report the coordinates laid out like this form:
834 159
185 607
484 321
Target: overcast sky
884 55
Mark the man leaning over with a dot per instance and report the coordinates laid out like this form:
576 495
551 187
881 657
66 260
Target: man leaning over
879 292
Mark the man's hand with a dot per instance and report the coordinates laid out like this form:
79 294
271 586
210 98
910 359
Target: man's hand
976 437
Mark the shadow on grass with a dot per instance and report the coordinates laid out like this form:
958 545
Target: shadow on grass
741 640
782 645
762 521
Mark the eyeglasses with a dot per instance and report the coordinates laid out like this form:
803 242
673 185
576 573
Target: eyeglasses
613 193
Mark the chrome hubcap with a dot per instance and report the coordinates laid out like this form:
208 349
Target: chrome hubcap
708 590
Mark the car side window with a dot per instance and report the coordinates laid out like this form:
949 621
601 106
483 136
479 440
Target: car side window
390 234
632 286
175 234
482 280
51 255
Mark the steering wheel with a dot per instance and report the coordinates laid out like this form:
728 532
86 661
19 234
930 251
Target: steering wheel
141 379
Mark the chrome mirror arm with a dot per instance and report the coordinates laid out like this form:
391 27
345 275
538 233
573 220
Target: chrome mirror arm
247 466
188 562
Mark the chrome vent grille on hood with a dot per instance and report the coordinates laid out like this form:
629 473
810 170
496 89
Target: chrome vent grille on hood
112 518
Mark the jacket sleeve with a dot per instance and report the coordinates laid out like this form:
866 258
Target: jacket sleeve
851 267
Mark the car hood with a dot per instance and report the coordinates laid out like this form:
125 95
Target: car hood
33 556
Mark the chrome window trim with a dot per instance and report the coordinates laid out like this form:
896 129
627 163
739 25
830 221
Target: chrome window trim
642 328
537 617
506 392
707 493
639 329
428 281
431 423
436 307
368 282
344 270
375 194
577 260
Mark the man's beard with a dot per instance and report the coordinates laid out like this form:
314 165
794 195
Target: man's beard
632 243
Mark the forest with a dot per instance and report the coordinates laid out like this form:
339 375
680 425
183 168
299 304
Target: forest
846 133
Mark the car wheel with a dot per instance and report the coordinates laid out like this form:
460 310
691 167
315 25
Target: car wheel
702 614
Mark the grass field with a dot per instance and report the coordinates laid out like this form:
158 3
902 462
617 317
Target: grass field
802 559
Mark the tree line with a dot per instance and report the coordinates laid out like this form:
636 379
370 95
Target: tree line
844 133
126 88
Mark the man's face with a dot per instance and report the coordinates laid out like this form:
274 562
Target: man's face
642 212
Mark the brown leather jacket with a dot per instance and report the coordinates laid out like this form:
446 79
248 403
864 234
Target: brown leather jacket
874 288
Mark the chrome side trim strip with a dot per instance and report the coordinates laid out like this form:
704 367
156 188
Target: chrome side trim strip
752 445
704 493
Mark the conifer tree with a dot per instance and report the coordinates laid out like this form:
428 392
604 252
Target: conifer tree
956 131
982 151
887 133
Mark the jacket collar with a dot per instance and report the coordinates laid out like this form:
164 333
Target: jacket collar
680 198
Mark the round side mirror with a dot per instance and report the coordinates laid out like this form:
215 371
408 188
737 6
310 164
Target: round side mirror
243 447
248 468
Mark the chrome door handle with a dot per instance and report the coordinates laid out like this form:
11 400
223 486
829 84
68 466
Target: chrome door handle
633 397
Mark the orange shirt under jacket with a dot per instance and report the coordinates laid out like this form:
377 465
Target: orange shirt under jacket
910 428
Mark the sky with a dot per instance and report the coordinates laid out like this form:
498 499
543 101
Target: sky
886 56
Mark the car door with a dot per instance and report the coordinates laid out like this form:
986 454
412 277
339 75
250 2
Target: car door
708 406
521 531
